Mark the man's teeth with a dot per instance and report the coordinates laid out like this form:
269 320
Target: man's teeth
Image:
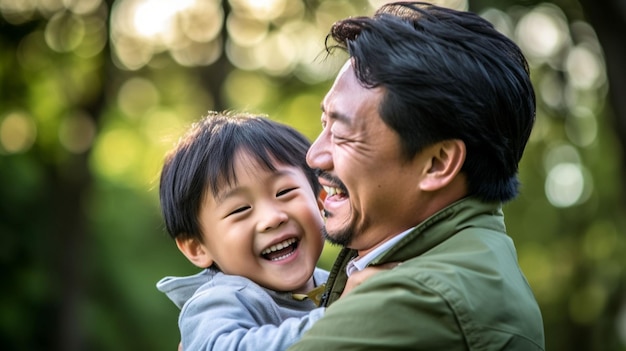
330 191
278 246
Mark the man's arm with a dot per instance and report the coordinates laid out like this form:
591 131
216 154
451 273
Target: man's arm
385 313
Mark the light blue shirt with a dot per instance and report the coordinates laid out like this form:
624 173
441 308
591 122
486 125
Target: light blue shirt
231 313
359 263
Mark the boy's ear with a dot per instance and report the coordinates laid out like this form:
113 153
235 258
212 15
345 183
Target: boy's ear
195 251
444 164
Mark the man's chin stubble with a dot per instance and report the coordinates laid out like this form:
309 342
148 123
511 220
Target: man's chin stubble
342 238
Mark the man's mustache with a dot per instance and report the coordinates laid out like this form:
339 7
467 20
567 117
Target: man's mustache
336 182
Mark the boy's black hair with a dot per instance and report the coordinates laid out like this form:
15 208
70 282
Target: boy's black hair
447 75
203 160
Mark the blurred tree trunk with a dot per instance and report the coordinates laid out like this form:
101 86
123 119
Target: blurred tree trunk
71 244
608 17
48 226
71 184
214 75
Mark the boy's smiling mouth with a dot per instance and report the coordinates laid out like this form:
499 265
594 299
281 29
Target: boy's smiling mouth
280 250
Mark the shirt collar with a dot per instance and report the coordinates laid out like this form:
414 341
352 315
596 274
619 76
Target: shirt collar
359 263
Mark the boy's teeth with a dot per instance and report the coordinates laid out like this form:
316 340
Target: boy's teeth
278 246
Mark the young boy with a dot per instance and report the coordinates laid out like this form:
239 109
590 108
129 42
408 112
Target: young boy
240 201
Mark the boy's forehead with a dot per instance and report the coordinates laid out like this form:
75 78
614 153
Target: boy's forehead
252 165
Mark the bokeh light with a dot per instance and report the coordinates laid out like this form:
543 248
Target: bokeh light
245 31
94 39
565 184
581 127
257 88
189 29
18 11
116 153
77 132
542 32
17 132
265 10
137 96
195 53
552 90
64 32
583 68
500 20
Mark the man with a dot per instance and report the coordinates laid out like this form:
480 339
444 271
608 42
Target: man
423 130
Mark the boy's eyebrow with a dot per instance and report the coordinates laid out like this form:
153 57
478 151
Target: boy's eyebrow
229 191
225 193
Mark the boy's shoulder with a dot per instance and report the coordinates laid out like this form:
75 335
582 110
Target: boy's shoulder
227 282
211 281
182 289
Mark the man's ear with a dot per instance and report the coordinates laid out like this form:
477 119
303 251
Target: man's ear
445 161
195 251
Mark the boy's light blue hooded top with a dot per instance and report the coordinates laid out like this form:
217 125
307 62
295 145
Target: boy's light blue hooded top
226 312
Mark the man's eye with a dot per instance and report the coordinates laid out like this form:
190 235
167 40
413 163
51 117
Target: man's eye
238 210
338 139
285 192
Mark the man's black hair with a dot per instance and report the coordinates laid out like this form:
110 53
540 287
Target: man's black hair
447 74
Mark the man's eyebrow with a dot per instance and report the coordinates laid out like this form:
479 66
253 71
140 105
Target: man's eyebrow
336 115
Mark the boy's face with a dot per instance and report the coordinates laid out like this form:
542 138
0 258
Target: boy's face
266 227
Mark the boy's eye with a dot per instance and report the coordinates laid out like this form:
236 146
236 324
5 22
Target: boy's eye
286 191
238 210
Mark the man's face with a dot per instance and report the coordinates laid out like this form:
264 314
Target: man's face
372 191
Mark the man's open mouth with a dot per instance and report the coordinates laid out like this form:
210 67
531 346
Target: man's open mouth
281 250
332 191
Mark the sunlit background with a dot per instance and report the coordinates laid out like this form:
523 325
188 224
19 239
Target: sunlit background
94 93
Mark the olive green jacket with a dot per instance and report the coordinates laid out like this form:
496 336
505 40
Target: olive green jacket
459 288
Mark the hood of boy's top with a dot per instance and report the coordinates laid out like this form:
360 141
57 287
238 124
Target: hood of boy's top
181 289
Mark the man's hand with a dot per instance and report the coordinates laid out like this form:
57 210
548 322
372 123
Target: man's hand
357 278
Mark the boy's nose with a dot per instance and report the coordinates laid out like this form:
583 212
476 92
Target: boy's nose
272 217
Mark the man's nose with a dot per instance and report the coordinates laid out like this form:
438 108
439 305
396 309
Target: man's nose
319 155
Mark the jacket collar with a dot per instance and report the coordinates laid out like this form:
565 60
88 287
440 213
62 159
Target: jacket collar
467 212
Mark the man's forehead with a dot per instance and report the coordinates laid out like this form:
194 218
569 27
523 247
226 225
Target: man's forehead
347 65
332 104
